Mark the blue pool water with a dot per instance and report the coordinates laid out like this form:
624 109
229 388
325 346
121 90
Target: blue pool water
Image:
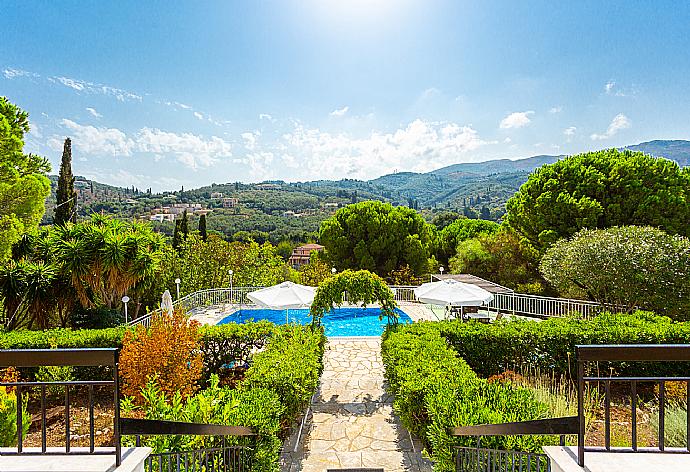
337 322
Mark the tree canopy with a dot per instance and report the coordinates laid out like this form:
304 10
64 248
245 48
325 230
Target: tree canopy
631 266
460 230
600 190
377 237
502 258
23 184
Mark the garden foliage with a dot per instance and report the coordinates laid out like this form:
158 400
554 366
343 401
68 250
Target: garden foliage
23 183
378 237
549 346
629 266
436 390
8 418
168 350
599 190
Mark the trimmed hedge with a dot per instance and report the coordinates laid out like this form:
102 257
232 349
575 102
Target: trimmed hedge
550 345
220 345
436 390
291 366
279 383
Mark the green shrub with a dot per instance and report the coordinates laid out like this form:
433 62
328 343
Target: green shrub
290 366
549 346
223 345
8 418
257 408
436 390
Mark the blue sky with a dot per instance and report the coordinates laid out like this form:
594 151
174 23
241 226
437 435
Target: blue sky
163 95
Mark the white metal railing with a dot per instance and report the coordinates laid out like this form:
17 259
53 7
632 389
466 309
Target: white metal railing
545 307
515 303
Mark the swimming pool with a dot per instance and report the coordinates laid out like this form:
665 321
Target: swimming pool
337 322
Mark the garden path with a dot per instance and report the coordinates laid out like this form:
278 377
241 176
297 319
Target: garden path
352 423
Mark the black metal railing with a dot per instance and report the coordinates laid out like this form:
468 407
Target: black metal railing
31 358
478 459
215 455
629 353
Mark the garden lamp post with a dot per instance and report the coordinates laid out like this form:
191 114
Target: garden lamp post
230 272
125 300
441 269
177 283
334 270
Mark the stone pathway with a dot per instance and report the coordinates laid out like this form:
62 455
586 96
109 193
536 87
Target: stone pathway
352 423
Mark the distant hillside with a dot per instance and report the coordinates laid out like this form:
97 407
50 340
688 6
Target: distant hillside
279 210
497 166
677 150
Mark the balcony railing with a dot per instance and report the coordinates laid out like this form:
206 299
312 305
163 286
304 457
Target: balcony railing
217 454
32 358
485 460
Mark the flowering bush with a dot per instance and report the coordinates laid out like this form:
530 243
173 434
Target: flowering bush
168 349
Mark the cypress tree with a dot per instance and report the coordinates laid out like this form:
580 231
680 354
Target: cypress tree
66 197
202 227
184 225
177 238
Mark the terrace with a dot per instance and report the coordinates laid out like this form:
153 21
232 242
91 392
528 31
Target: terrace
355 414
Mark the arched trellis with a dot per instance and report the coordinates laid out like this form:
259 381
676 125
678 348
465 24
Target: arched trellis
360 286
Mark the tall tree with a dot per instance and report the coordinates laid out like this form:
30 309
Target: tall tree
184 225
378 237
23 184
177 236
66 196
202 228
600 190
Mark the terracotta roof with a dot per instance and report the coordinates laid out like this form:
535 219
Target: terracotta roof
473 279
312 246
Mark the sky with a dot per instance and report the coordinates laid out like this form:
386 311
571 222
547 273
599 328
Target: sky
167 94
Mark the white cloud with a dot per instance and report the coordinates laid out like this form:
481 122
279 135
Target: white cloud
619 122
517 119
93 88
421 146
609 86
554 110
93 112
93 140
340 112
570 131
250 139
266 116
507 140
198 115
192 150
11 73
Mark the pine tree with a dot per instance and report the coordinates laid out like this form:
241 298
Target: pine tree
202 227
66 197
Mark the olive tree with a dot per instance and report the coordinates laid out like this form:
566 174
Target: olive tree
630 266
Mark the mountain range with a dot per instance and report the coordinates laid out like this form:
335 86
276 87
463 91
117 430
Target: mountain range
478 189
